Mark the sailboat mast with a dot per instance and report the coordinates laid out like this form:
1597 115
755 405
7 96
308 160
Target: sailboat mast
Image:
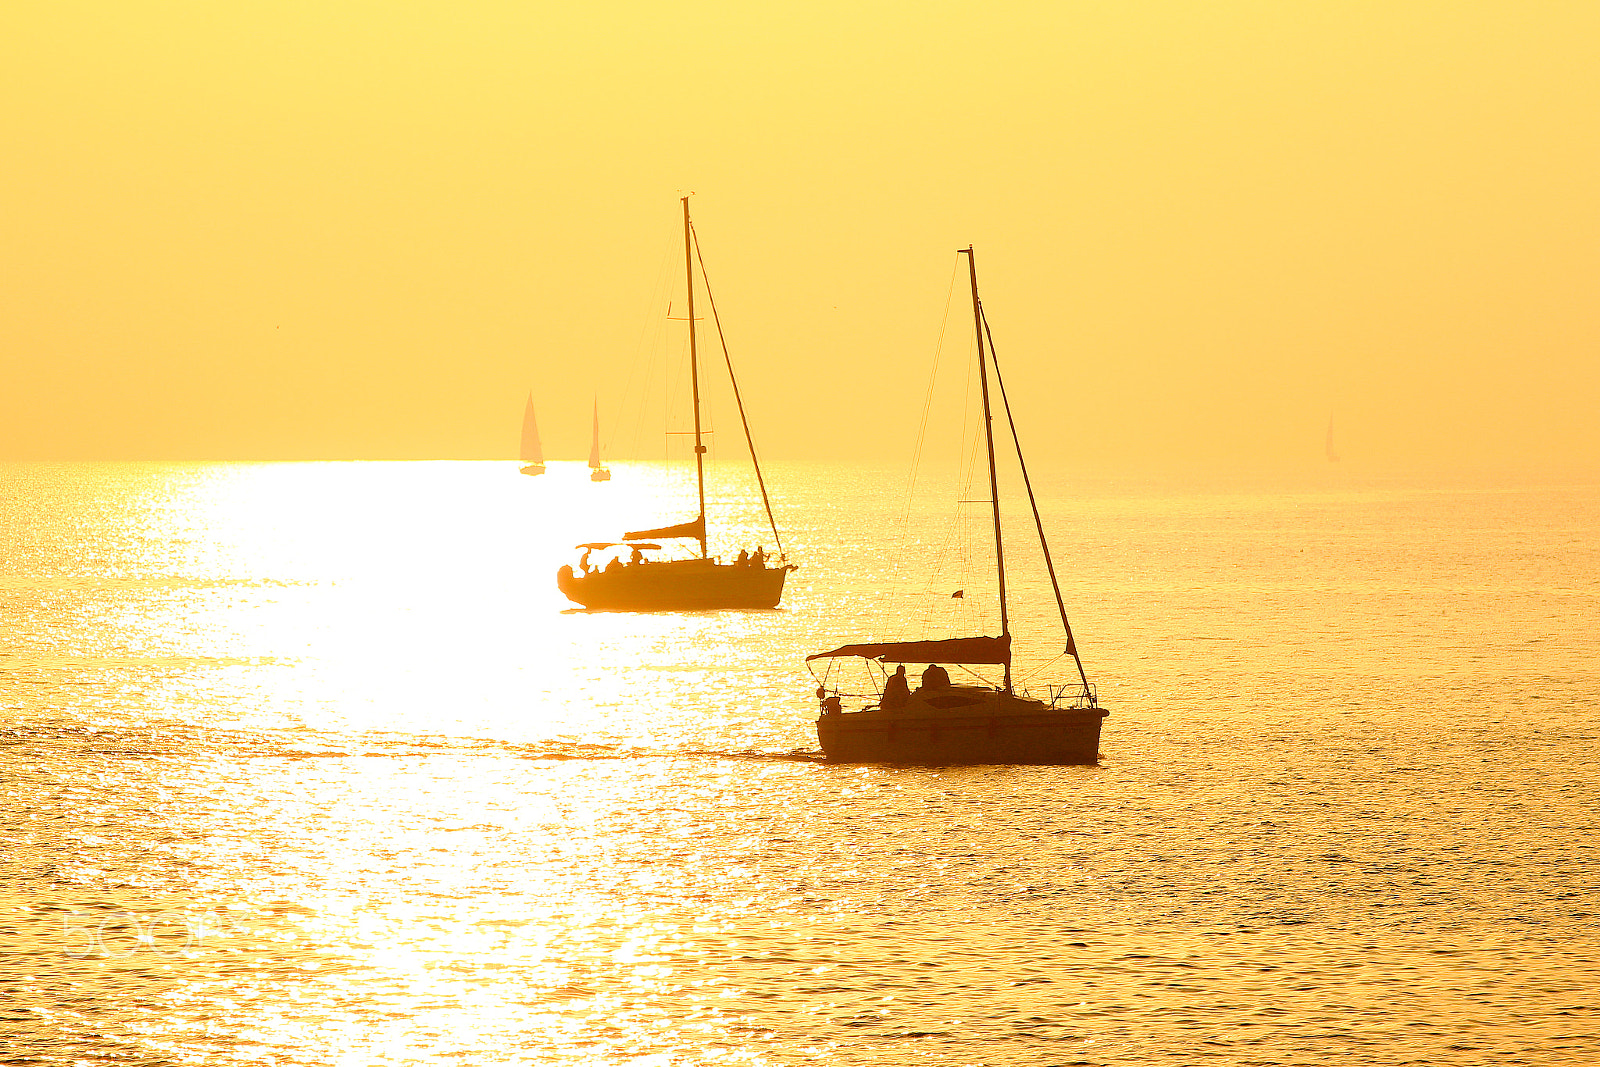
694 376
988 439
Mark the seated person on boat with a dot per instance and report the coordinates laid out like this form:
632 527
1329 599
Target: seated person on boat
896 691
636 556
936 689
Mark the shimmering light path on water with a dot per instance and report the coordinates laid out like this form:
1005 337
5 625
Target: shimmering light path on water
308 764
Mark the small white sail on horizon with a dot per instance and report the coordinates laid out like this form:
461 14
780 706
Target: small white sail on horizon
532 453
597 470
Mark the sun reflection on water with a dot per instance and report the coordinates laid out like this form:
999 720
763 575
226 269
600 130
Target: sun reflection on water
310 764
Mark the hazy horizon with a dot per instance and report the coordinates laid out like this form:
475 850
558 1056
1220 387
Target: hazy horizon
321 231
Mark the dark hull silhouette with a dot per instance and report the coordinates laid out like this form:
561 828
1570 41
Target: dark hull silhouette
677 585
964 725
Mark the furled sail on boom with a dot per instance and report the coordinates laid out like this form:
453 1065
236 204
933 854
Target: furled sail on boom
692 528
950 650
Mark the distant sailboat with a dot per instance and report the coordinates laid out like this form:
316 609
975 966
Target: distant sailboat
597 470
532 454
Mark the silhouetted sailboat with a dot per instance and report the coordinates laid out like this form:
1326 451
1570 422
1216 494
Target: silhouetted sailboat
753 581
944 723
532 454
597 470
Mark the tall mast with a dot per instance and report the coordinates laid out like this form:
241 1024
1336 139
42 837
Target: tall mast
988 439
694 377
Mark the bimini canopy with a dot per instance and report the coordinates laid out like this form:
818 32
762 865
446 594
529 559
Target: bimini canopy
598 545
953 650
694 528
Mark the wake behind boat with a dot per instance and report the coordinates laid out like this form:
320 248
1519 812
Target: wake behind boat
941 723
638 583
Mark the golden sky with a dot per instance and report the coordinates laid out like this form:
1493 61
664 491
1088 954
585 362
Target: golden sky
324 229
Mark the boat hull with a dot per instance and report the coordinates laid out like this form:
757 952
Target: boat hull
533 468
678 585
991 729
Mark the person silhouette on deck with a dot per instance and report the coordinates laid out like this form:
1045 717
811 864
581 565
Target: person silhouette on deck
743 560
638 557
935 678
760 558
896 691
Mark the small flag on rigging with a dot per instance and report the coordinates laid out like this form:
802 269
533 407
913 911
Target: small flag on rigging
959 594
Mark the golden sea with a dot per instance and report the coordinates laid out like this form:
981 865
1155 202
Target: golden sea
310 765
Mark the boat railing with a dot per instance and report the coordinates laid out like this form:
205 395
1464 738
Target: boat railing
1077 695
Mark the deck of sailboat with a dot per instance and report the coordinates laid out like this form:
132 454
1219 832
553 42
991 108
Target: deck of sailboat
675 585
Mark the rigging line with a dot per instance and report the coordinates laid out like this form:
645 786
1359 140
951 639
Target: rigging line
1041 668
952 566
1044 546
951 561
955 549
941 551
651 339
675 389
965 516
922 427
975 674
728 359
954 556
